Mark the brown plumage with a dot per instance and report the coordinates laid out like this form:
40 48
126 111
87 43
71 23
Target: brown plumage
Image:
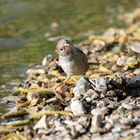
72 60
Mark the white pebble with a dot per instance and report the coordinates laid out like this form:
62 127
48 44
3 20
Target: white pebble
77 107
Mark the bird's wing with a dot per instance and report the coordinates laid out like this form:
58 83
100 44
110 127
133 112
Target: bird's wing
79 54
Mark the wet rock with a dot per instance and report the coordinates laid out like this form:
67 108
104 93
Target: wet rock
81 87
77 107
47 59
134 82
42 123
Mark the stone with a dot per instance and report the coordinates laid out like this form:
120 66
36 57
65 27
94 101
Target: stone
96 123
122 61
90 95
77 107
136 48
46 60
137 71
96 111
128 106
42 123
82 86
134 82
99 84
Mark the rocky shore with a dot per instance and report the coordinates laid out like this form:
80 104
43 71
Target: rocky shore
103 105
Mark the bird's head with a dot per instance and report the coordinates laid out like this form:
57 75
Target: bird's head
64 47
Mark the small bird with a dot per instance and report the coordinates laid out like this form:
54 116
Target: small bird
72 60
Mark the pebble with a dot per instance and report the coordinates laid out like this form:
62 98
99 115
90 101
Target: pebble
137 72
35 71
131 61
81 87
128 106
96 111
34 97
122 61
96 123
80 128
99 84
116 129
126 121
84 121
108 126
136 48
125 133
91 95
111 136
46 60
77 107
42 123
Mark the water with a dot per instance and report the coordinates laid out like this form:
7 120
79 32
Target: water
24 25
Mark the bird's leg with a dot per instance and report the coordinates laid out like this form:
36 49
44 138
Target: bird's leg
73 79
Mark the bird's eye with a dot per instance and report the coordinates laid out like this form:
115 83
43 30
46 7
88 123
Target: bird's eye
61 49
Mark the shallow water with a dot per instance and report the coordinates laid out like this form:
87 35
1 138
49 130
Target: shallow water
27 25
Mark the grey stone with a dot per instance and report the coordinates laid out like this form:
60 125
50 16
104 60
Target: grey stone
82 86
99 84
47 59
128 106
77 107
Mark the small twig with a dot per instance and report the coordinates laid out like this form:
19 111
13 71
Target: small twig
17 123
47 90
13 114
35 114
20 105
